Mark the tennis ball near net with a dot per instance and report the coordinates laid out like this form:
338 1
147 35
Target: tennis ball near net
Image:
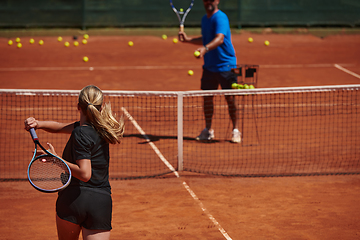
67 44
85 59
250 39
10 42
19 45
60 39
86 36
130 43
191 72
267 43
41 42
17 40
175 40
164 36
31 41
76 43
234 86
84 41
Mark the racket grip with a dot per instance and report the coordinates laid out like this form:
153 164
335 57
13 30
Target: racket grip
33 134
181 38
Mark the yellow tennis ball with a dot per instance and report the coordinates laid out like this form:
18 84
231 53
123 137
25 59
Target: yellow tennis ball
41 42
84 41
130 43
234 86
10 42
85 59
19 45
175 40
60 39
267 43
76 43
17 40
250 39
191 72
31 41
86 36
164 37
196 53
181 10
251 87
67 44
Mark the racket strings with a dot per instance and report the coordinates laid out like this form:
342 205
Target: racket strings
49 173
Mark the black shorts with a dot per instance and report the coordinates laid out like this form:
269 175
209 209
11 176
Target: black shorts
212 80
87 207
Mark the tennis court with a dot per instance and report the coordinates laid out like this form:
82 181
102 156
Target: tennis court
194 206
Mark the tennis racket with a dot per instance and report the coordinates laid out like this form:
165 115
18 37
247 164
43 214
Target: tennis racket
47 172
181 12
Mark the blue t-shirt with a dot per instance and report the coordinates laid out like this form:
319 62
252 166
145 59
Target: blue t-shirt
222 58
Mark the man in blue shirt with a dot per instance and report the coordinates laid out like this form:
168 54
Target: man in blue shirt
219 58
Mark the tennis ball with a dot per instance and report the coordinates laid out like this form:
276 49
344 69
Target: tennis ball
164 37
41 42
59 39
84 41
181 10
250 39
67 44
17 40
234 86
267 43
251 87
175 40
130 43
19 45
76 43
10 42
31 41
191 72
246 86
240 86
85 59
86 36
196 53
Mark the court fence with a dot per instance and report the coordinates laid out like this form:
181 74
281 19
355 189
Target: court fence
296 131
157 13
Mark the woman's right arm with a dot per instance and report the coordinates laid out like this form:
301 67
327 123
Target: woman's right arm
49 126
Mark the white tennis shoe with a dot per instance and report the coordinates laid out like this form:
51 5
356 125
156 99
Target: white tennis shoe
236 136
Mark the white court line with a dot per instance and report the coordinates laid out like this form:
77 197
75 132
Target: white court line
347 71
94 68
186 186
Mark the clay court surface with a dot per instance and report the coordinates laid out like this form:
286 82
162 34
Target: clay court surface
317 207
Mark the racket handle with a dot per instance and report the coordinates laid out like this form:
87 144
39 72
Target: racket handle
181 38
33 134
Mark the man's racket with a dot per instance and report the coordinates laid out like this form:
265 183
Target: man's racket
47 172
181 12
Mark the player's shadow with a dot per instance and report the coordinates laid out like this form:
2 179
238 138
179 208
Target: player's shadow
155 138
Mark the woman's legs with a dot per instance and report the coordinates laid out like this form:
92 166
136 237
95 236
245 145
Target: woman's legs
67 230
95 234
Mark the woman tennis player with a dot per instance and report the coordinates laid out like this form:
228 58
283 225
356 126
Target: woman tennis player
86 204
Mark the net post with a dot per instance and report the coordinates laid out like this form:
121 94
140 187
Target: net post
180 130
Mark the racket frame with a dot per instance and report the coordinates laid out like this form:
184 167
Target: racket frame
181 20
35 158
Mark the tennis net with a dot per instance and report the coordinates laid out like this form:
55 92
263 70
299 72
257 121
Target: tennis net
285 131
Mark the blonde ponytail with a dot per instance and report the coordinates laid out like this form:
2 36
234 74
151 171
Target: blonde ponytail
101 116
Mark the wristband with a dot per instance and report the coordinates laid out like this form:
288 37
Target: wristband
206 48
